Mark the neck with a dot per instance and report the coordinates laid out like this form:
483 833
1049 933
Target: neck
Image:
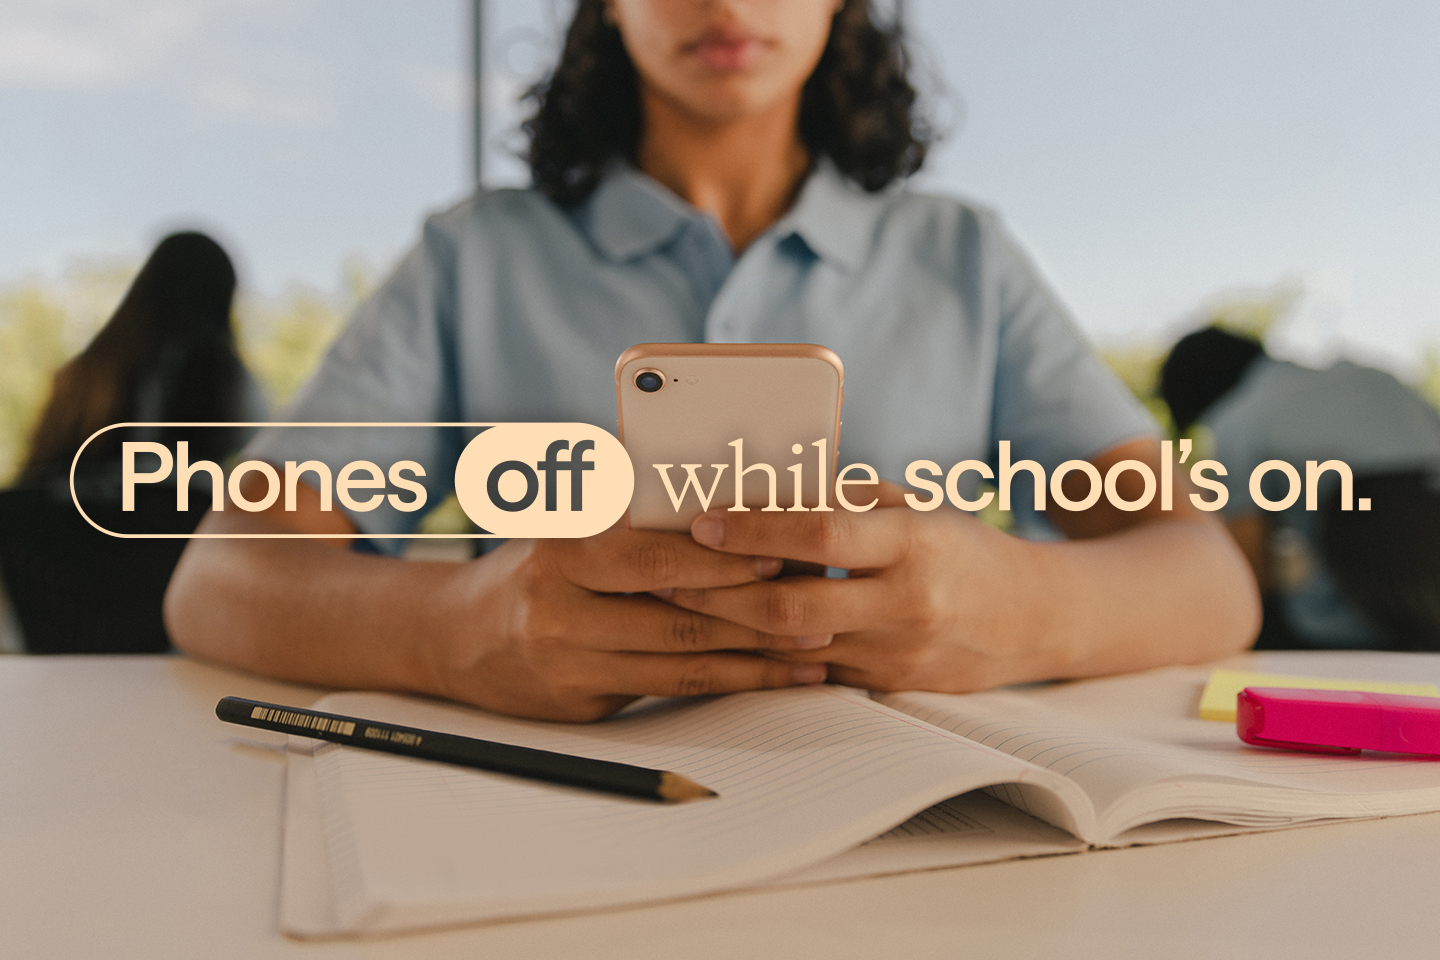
746 172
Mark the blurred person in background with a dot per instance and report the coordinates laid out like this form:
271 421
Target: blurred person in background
1331 578
167 354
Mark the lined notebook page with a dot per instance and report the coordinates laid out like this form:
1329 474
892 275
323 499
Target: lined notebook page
968 829
1129 742
802 775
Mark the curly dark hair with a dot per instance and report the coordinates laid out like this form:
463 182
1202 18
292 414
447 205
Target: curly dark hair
857 108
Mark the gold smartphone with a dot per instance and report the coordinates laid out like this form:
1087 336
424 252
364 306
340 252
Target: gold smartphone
695 416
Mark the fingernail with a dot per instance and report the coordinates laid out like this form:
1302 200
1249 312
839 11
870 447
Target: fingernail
804 673
708 530
813 641
767 567
663 593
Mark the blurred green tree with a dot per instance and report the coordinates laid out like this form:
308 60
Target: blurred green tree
1249 311
1430 376
43 324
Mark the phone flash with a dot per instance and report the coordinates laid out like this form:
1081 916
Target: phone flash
692 379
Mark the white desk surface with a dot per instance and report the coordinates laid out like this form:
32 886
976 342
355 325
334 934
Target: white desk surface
135 824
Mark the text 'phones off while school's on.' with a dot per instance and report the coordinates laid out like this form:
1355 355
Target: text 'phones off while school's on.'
702 408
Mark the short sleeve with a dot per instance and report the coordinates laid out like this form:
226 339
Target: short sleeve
1055 400
393 363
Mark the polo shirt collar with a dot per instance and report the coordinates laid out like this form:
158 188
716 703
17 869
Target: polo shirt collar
631 215
835 218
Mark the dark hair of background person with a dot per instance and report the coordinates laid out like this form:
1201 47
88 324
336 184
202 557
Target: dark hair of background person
167 354
1202 368
857 108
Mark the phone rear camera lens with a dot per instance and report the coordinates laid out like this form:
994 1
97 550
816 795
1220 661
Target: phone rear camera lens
649 380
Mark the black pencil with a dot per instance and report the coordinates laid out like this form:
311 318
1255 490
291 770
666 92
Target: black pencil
603 775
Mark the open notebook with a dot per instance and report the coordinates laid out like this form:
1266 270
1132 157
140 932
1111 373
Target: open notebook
815 783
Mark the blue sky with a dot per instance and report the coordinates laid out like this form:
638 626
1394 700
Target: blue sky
1151 154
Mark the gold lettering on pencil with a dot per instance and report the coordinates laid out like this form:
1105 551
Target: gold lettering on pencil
394 736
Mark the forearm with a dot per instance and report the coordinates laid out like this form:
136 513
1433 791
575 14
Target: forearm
308 610
939 601
559 629
1173 591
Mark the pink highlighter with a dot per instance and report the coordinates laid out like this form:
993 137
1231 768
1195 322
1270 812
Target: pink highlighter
1337 721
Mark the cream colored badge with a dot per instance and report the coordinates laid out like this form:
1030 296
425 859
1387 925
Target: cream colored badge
544 480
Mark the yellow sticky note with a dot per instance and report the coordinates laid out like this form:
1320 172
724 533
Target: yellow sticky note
1218 700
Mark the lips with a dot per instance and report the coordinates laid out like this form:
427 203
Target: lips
726 51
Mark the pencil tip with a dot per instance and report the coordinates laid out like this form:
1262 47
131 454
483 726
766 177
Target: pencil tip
677 789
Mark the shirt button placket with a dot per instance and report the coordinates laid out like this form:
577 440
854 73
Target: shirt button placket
734 313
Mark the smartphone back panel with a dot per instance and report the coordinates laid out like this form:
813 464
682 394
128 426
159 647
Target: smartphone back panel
772 397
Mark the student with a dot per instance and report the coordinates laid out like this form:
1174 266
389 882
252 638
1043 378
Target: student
725 171
166 355
1331 577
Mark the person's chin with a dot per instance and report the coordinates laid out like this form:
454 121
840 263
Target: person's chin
731 98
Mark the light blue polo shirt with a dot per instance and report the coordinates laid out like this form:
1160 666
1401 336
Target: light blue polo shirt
511 308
